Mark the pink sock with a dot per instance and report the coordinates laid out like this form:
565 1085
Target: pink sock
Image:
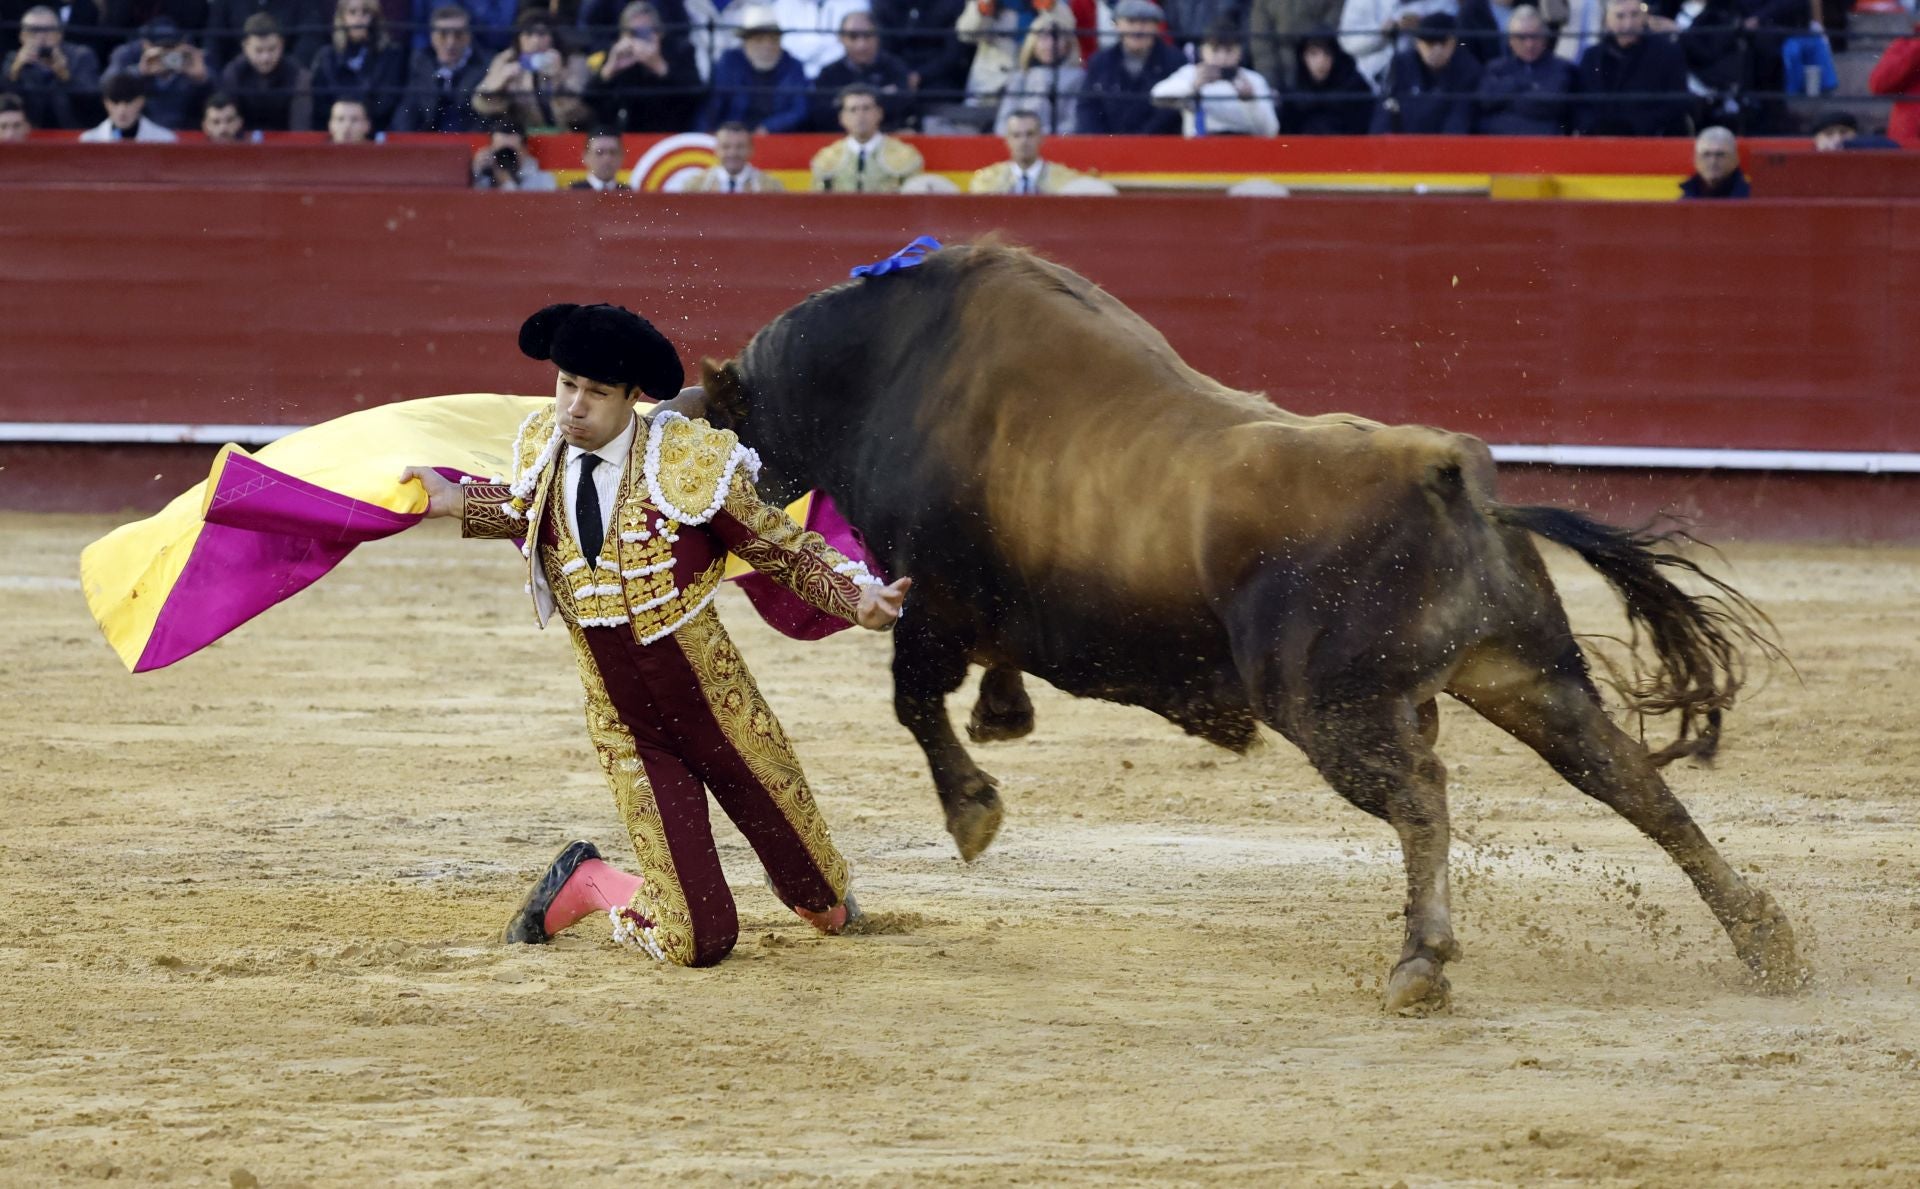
593 887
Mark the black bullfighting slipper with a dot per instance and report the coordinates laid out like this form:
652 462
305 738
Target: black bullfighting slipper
529 925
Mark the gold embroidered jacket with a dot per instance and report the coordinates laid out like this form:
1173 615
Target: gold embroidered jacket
1000 178
686 499
889 163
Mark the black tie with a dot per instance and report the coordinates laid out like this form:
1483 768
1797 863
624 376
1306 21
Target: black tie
586 510
860 171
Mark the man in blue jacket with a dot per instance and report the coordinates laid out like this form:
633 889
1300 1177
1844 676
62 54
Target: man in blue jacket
1114 98
1430 88
1628 62
758 83
1529 91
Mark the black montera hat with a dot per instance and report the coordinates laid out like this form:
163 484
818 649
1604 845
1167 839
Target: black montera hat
610 344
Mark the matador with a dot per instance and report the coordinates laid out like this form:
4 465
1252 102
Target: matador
626 522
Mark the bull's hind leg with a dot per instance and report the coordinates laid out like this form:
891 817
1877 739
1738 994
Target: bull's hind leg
928 664
1003 710
1557 715
1379 755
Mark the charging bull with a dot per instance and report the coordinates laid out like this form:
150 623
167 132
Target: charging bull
1075 502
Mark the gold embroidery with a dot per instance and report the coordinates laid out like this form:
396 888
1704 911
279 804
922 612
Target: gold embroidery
483 515
755 734
693 461
801 561
661 899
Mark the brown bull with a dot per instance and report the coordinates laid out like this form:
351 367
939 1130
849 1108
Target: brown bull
1076 502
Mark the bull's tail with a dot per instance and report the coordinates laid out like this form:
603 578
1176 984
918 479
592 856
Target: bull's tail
1698 666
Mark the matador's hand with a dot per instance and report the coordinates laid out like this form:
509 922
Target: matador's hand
443 498
880 605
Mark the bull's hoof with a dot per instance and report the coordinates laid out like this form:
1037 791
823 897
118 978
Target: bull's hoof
997 724
1765 942
975 820
1418 988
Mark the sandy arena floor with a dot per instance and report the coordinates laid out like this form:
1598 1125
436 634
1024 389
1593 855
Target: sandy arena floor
248 904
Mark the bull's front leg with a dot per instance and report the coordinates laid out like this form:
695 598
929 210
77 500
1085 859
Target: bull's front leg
930 662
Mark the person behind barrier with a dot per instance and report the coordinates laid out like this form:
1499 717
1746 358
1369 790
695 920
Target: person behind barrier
504 163
1840 130
221 122
627 520
1529 92
361 61
1329 97
442 78
348 122
58 84
1429 89
1716 164
865 161
1632 84
1217 96
865 63
646 83
125 94
175 72
15 128
757 83
274 93
602 157
1024 171
735 173
1117 96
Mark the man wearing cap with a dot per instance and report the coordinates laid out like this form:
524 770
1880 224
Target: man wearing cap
757 83
864 161
1374 30
1430 88
627 521
1840 130
1116 95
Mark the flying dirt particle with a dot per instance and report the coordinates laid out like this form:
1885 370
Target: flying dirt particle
1456 285
240 1178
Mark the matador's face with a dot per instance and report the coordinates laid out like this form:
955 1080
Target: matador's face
590 413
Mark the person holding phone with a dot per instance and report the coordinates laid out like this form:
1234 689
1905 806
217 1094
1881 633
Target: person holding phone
642 84
55 81
1217 96
175 73
533 81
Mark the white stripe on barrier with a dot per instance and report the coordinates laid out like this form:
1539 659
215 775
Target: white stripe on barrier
1643 457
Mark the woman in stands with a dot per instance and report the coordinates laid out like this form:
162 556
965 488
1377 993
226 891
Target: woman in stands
1329 97
533 82
1047 82
362 63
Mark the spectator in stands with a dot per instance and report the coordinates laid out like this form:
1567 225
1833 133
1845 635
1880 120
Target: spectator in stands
736 173
505 164
1329 98
864 62
1716 165
115 17
759 84
1217 96
15 128
1840 130
1116 98
810 30
866 161
1530 91
302 25
221 122
1374 30
1276 28
604 22
1627 62
533 81
57 83
361 61
175 73
1189 21
441 81
1024 171
274 93
1898 73
492 23
646 83
1430 89
1715 48
125 94
992 28
602 157
1048 81
920 33
348 121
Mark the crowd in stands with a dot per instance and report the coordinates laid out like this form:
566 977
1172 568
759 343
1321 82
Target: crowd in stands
147 69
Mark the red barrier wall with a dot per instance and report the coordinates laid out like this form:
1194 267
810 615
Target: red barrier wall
1753 325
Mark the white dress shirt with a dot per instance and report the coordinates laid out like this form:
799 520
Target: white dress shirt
1027 181
606 478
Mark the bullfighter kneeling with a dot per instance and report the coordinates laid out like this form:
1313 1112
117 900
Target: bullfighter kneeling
627 522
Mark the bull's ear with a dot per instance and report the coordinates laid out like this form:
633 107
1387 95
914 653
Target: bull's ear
726 393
